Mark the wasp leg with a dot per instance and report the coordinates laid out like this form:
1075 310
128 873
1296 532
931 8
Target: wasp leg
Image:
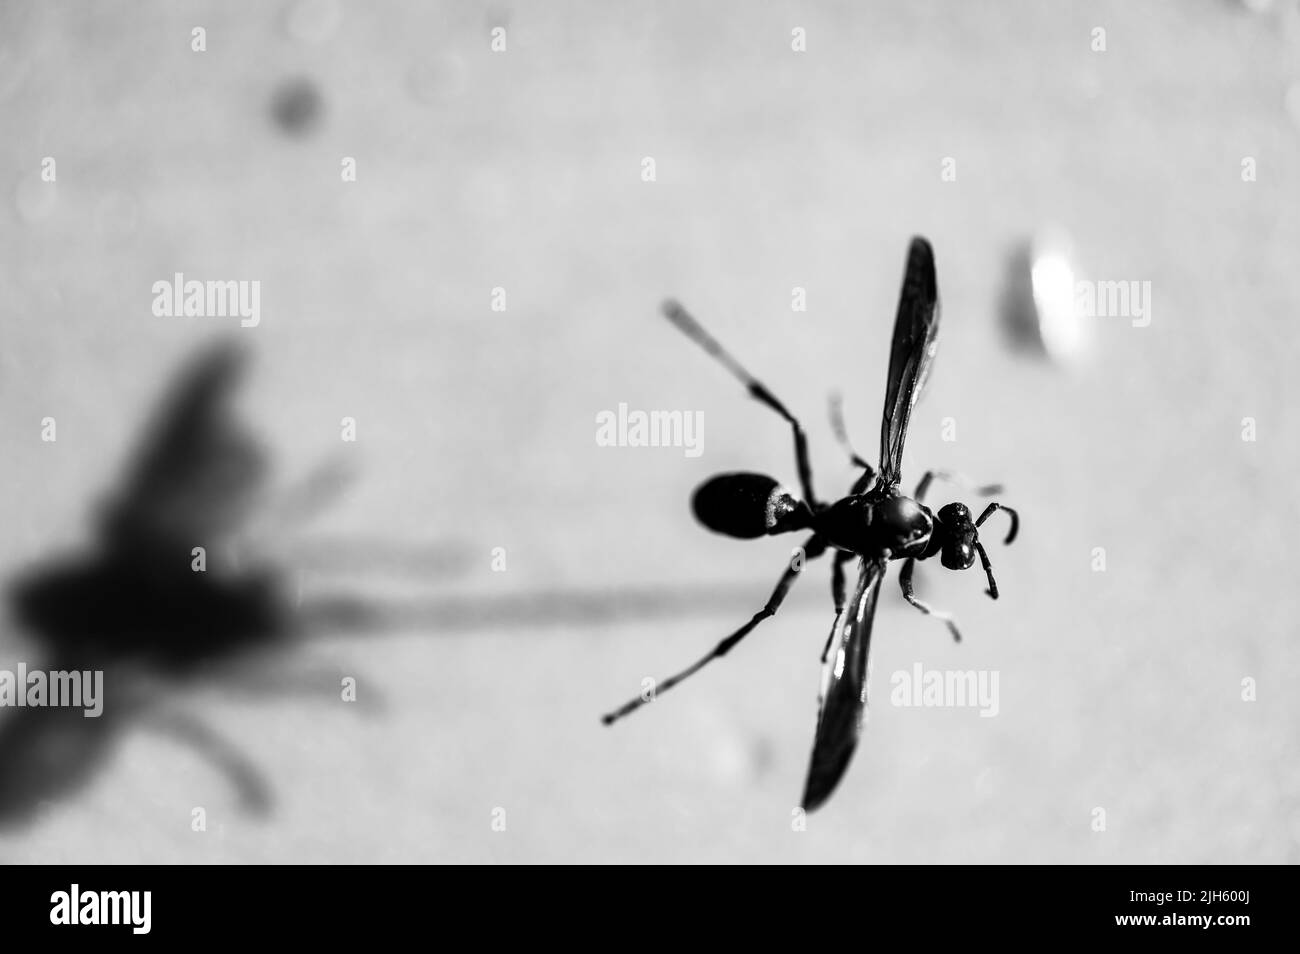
683 319
838 592
905 580
987 490
813 547
863 483
988 571
842 435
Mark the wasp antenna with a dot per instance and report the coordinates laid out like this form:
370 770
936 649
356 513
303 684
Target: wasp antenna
988 570
1015 519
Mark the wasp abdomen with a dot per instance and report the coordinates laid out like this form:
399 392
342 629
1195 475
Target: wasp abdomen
748 505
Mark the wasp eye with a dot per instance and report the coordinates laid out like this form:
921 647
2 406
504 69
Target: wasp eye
954 514
958 555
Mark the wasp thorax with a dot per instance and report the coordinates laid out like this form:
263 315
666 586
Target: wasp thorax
901 521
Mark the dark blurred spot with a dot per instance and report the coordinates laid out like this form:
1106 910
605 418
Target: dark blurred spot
297 107
49 753
1019 314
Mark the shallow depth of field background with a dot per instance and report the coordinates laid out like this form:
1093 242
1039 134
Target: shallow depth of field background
1119 689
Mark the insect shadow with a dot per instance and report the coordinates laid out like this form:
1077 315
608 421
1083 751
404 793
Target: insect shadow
133 606
179 589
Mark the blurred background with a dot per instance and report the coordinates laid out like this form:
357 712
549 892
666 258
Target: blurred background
523 169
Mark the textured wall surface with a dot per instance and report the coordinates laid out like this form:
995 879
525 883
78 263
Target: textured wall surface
522 169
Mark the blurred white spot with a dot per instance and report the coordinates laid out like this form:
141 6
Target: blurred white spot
1062 331
726 749
313 21
117 215
1258 6
437 80
730 763
35 199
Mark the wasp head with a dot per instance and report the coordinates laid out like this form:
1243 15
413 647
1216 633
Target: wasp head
957 539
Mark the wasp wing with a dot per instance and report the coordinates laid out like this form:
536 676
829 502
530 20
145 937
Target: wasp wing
50 752
916 331
194 479
844 688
